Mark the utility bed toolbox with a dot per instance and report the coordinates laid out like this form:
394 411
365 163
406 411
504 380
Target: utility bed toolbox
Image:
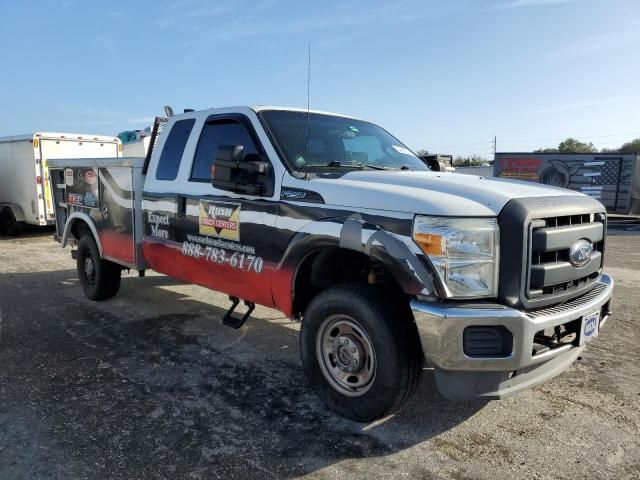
109 192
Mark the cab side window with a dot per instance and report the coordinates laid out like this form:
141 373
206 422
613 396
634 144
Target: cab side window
171 155
214 134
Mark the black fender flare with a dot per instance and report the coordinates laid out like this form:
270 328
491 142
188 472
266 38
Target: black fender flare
354 233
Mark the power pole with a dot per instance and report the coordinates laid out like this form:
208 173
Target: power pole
495 145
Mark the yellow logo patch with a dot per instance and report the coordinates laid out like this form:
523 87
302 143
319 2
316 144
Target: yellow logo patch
220 220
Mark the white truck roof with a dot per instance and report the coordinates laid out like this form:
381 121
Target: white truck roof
259 108
59 136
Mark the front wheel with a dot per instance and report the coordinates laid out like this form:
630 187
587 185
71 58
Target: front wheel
360 351
99 278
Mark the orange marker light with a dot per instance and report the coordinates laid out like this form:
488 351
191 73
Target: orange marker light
430 243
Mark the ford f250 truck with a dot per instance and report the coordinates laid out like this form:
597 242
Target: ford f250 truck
498 285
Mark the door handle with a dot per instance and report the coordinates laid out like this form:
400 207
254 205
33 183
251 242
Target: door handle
181 201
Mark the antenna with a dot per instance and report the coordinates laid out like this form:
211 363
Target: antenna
308 79
308 101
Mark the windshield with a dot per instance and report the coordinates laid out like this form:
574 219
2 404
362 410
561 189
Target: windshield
335 143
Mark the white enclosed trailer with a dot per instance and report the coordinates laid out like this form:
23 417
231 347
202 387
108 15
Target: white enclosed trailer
25 194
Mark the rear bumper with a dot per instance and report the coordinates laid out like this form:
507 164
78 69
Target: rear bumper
441 328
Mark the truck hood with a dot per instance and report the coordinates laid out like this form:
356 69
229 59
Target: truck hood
431 193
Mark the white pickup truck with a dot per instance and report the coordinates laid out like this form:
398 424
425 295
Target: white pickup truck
497 285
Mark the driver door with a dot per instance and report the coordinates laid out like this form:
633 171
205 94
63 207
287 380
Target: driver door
227 238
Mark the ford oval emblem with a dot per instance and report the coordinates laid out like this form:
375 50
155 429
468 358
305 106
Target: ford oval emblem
580 252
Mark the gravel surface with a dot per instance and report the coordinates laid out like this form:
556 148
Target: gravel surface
150 384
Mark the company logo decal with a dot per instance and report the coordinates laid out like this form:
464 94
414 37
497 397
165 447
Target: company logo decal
580 253
68 177
90 199
219 220
591 326
293 194
90 177
522 168
75 199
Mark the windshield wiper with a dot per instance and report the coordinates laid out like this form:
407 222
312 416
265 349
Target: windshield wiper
337 164
375 167
334 164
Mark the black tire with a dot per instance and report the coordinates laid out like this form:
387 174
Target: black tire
10 225
99 278
379 321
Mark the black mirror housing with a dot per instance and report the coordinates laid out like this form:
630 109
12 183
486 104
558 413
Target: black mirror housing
234 172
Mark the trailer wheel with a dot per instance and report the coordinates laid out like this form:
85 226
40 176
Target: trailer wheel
9 224
360 351
99 278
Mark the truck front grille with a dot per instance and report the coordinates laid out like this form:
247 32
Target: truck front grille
550 272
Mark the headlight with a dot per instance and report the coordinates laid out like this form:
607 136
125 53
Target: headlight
464 252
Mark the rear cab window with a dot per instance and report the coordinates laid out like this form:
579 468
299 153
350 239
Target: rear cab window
171 154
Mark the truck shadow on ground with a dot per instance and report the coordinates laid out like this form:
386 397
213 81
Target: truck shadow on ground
151 384
29 231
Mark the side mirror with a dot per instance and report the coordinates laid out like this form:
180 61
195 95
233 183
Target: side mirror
234 172
434 164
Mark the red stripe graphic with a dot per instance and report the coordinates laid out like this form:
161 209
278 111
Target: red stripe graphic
118 245
166 257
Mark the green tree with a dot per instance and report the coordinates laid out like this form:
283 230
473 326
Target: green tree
570 145
470 161
631 147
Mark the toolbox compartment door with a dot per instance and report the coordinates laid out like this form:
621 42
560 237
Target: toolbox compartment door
117 230
60 147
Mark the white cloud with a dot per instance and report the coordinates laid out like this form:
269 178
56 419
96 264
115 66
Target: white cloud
599 43
526 3
253 25
603 102
108 44
139 120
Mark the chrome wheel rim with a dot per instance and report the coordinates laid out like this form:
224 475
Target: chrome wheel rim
346 355
89 268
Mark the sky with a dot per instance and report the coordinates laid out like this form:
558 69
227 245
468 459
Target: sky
442 75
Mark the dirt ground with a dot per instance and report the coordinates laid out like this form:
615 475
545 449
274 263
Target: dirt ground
150 384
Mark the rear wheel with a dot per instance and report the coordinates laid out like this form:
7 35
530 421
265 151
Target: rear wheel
360 351
99 278
9 224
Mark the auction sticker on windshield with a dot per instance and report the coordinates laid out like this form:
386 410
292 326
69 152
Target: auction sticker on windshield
590 327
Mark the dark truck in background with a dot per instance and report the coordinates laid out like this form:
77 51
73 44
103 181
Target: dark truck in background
497 285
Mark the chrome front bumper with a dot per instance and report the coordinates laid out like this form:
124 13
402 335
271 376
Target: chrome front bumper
441 328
